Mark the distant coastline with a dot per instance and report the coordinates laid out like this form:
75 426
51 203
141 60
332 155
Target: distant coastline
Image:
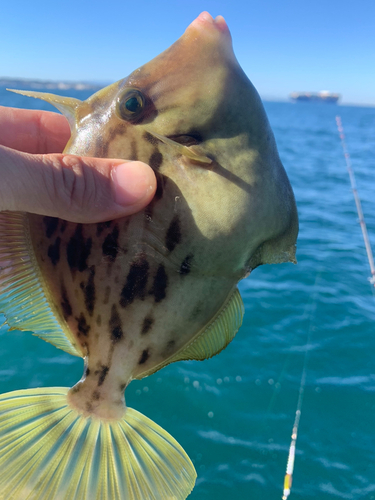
48 84
39 84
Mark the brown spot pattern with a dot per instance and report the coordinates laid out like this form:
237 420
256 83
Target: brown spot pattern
173 236
156 159
65 304
147 324
78 250
51 224
100 226
160 284
103 372
115 325
89 291
54 251
110 244
83 326
144 357
136 282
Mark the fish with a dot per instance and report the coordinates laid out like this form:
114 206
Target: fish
132 295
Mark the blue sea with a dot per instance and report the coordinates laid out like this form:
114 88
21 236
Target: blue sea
234 414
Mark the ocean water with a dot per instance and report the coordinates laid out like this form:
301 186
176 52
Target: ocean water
234 414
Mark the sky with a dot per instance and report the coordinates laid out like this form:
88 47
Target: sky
282 45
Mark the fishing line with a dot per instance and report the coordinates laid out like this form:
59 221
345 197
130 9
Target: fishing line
309 313
305 316
310 310
362 223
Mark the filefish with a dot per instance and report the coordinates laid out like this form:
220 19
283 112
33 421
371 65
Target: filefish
134 294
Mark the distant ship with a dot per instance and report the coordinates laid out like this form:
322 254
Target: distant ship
323 96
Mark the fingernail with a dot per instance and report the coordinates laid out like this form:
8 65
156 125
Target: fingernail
131 182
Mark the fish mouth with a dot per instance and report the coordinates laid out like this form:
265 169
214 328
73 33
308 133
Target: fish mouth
185 145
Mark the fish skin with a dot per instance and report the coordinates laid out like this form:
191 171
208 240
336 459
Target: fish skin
132 294
124 288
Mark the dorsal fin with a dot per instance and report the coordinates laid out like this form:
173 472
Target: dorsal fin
214 337
23 297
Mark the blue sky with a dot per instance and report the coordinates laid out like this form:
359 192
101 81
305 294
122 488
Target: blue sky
282 45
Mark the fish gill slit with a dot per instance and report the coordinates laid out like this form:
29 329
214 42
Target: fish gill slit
185 267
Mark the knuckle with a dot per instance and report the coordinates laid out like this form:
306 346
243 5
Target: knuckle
73 185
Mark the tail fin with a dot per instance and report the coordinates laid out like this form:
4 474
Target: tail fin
49 451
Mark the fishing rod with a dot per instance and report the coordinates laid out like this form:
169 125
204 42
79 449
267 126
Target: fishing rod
357 200
292 449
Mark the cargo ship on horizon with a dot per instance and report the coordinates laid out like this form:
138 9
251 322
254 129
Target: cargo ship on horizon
323 96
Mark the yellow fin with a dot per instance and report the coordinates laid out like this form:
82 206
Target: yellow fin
22 297
213 338
218 334
49 451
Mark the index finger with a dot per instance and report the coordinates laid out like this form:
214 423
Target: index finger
33 131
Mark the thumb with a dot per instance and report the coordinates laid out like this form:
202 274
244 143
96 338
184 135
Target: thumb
74 188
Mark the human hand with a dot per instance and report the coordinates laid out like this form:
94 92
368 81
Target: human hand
36 178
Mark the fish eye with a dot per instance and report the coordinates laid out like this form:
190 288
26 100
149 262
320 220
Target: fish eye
131 104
